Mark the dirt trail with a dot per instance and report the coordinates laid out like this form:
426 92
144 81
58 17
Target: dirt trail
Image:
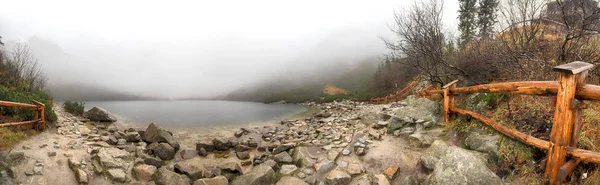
55 169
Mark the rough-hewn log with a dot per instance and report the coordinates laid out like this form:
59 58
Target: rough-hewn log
448 99
13 104
543 88
565 116
19 123
562 127
567 169
527 139
584 155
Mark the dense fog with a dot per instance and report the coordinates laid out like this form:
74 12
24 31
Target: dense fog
193 49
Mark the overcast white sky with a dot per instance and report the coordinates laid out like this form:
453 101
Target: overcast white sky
183 48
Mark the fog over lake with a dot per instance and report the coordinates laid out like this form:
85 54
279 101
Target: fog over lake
196 113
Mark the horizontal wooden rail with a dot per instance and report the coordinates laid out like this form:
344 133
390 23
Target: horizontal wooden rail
20 123
540 88
539 143
584 155
581 154
40 118
14 104
543 88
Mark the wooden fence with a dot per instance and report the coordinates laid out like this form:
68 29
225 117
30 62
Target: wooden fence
398 95
39 119
570 91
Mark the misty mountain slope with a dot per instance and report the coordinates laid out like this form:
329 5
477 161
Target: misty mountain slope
353 78
78 92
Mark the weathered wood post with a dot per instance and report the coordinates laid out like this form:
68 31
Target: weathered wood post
40 107
448 99
565 118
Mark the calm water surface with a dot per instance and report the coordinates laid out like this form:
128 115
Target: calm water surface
196 113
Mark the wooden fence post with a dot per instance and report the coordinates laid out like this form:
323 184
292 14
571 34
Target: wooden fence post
565 116
448 99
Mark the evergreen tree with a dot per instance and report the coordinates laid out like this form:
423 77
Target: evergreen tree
467 25
486 17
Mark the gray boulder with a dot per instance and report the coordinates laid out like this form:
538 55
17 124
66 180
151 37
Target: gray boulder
114 158
13 157
396 123
460 166
337 177
144 172
261 174
192 169
288 169
166 177
283 157
420 109
482 102
218 180
483 143
420 140
155 133
163 151
232 167
432 155
117 175
132 137
287 180
100 115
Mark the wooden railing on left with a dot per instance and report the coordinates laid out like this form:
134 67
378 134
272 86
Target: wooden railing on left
39 119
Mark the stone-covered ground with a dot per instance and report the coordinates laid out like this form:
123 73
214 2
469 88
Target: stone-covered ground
344 143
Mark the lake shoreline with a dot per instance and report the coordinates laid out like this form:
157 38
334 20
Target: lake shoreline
194 114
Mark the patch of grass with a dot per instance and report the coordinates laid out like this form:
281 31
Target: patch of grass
73 107
9 138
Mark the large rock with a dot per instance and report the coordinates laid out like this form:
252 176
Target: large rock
288 169
191 168
100 115
483 143
420 109
208 146
283 157
261 174
117 175
163 151
432 155
324 166
287 180
481 102
81 176
13 157
420 140
166 177
218 180
337 177
114 158
132 137
232 167
144 172
396 123
155 133
460 166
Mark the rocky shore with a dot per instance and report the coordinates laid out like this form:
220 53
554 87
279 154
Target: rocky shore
344 143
